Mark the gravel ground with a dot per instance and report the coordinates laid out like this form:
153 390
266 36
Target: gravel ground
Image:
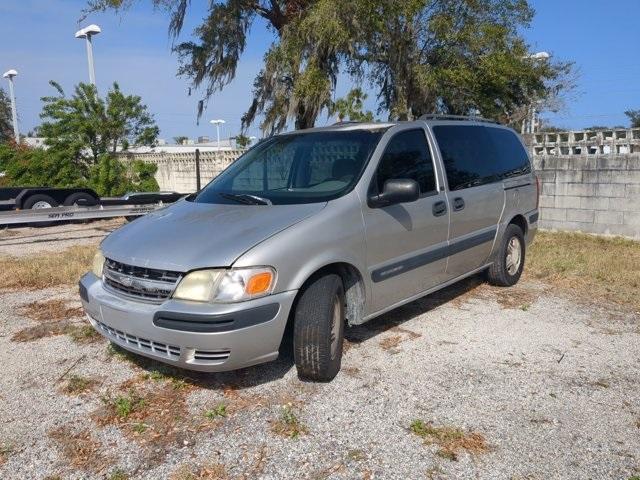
551 383
24 241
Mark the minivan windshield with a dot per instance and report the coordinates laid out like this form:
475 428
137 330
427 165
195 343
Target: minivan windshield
295 168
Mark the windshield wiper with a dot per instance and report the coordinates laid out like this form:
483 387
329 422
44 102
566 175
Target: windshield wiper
246 198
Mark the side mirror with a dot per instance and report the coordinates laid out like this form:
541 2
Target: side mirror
398 190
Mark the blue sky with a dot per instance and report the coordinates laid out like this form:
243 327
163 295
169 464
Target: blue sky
36 38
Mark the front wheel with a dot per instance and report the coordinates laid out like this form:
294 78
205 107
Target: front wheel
318 329
507 267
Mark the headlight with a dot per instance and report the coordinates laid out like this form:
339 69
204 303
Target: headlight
226 286
98 262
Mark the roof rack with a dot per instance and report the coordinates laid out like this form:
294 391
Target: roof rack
464 118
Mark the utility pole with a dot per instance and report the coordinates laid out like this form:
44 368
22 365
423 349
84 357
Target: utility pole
14 113
87 33
217 123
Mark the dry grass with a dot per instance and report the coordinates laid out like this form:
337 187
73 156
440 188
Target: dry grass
50 310
48 270
80 449
450 440
210 471
595 267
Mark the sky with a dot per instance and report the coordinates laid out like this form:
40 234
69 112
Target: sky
37 39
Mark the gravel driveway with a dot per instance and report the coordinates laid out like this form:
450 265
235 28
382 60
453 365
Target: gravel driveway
520 383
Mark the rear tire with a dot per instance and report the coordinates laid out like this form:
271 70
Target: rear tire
509 262
319 329
80 199
38 201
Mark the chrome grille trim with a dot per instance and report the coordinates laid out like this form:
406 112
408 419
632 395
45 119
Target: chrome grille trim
144 345
139 283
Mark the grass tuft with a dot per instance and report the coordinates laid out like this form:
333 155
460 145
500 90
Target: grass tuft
77 384
450 440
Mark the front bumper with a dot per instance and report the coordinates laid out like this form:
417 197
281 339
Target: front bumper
195 336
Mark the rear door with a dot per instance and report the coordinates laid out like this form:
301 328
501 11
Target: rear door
406 243
475 194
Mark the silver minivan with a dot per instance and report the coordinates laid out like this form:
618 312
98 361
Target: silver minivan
309 231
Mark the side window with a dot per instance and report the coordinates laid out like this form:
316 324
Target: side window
511 158
407 156
467 154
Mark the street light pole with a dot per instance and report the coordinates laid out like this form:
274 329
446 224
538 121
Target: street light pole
14 113
87 33
217 123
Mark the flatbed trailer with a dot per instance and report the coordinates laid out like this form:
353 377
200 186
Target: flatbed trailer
45 206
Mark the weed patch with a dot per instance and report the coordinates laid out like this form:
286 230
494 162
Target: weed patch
6 450
77 385
220 410
288 424
450 440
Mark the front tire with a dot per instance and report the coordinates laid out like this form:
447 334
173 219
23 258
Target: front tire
318 329
507 267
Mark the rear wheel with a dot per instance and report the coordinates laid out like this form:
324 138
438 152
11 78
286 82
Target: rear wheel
37 202
319 329
507 267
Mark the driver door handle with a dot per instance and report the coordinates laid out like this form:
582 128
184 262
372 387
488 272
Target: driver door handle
439 208
458 204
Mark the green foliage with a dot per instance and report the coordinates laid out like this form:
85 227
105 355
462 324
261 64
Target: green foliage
35 167
86 126
180 139
242 141
112 177
634 118
420 56
350 107
6 125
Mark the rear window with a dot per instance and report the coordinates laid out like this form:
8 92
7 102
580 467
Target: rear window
476 155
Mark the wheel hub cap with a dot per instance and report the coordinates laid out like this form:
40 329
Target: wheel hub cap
41 204
514 255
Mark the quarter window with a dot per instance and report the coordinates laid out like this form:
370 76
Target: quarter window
475 155
407 156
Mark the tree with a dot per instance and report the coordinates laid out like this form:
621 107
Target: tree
86 126
180 139
242 141
419 56
6 126
634 118
350 107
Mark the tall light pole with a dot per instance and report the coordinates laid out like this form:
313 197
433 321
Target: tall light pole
14 113
217 123
87 33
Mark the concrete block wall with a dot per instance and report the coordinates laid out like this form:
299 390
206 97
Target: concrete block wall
590 193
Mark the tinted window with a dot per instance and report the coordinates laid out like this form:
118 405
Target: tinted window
407 156
511 158
475 155
298 168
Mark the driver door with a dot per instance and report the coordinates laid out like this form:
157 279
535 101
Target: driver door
406 243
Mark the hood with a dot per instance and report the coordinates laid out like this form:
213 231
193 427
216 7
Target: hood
188 235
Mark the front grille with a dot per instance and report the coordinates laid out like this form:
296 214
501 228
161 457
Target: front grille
142 344
148 284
